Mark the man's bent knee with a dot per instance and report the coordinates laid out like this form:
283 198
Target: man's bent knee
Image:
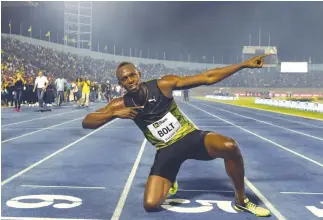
232 148
151 205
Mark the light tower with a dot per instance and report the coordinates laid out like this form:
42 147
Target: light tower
78 24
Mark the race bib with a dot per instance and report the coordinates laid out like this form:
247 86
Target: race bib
165 128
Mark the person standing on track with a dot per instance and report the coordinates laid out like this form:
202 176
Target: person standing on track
19 85
79 82
107 89
60 83
152 107
84 100
186 99
41 84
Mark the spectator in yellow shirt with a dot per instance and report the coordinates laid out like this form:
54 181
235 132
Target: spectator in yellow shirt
84 100
79 83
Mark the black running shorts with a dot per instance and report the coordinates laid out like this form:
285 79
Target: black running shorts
168 160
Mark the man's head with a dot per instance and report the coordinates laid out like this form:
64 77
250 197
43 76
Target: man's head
128 77
40 73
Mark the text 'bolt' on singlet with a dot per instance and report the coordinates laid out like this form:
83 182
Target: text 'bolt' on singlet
160 120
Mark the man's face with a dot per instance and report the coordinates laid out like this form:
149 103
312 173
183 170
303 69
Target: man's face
129 77
40 74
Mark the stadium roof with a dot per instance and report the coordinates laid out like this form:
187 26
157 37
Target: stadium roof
6 4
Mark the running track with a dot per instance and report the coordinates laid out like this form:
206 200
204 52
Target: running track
54 169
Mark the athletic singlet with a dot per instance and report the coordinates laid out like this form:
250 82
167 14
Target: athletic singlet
160 120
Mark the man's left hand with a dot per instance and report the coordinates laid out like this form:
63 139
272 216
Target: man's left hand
255 62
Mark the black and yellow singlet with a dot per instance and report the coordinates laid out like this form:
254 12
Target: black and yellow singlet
160 120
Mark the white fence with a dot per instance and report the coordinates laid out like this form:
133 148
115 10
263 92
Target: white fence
305 106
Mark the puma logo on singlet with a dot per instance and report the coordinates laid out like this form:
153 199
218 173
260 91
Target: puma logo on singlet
152 100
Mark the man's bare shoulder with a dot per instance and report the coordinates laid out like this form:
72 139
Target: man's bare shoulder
167 83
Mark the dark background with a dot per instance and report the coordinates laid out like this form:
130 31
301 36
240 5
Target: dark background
200 29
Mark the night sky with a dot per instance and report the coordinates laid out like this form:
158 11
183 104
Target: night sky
180 28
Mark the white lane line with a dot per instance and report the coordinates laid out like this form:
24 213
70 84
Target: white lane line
64 187
264 200
124 195
21 122
53 154
43 129
265 122
302 193
272 142
41 218
265 110
261 137
280 118
257 192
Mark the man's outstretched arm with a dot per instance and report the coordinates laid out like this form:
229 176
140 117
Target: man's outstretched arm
209 77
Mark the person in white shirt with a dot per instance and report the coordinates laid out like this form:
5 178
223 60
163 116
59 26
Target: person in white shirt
74 91
41 84
60 84
118 90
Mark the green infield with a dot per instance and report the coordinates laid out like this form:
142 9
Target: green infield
249 102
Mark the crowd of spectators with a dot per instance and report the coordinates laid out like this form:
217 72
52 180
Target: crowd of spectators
262 78
28 59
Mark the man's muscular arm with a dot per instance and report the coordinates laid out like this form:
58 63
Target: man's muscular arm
172 82
115 109
103 115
